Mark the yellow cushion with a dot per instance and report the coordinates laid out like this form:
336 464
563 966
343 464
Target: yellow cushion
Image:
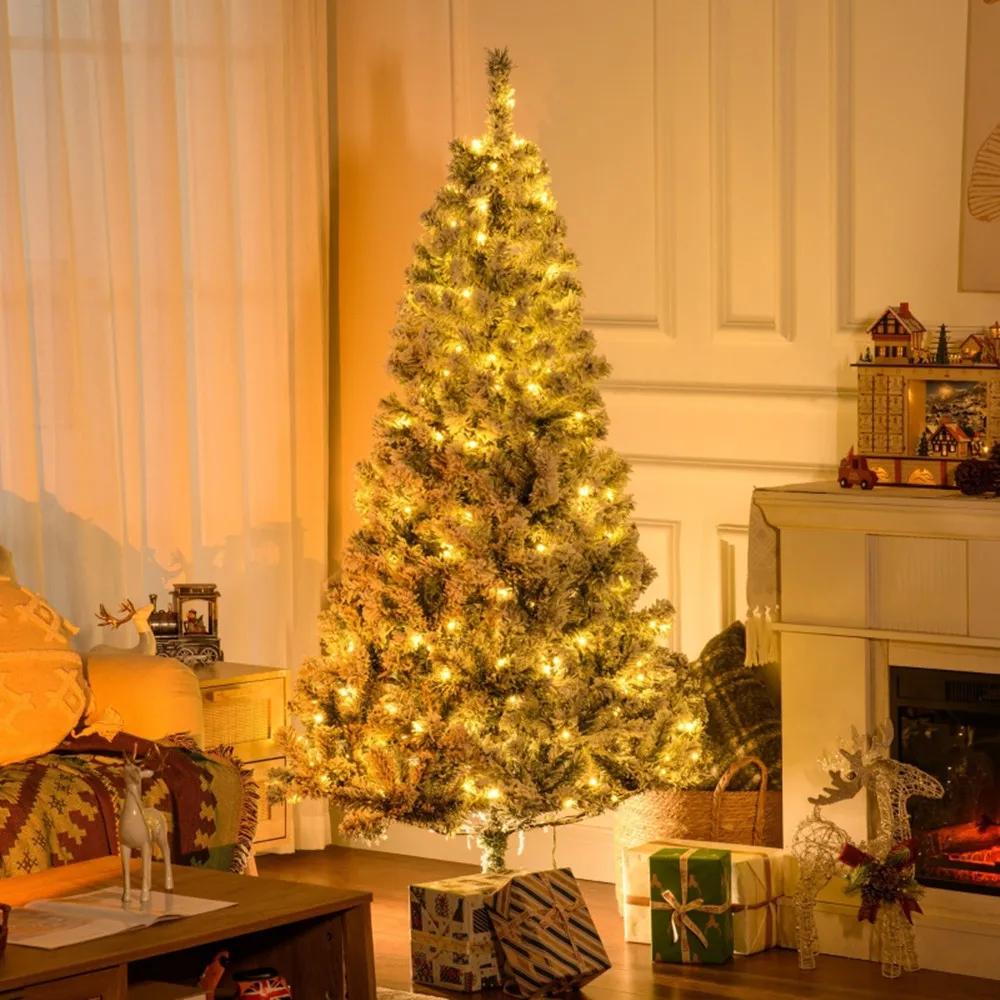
43 693
156 696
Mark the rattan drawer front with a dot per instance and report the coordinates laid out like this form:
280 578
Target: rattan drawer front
240 714
237 720
272 821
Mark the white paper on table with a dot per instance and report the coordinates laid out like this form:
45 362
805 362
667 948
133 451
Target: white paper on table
56 923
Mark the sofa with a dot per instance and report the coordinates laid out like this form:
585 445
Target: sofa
66 723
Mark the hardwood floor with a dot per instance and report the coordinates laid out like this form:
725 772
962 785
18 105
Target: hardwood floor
773 975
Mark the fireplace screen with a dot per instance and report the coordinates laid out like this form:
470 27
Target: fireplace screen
948 724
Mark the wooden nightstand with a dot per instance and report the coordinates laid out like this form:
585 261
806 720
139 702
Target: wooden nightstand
245 706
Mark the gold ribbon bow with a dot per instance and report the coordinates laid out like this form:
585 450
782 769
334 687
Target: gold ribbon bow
680 920
558 909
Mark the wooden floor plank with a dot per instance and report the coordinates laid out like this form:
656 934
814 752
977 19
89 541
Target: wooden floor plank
773 975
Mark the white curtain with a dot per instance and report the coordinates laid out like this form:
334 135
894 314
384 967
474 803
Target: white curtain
164 214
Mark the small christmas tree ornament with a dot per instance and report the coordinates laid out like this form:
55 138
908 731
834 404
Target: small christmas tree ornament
485 669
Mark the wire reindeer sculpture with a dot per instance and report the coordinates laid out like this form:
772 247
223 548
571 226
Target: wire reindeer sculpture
863 762
139 828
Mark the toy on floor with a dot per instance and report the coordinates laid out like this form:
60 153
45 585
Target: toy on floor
139 828
213 974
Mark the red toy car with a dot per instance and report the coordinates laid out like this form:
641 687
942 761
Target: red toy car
854 469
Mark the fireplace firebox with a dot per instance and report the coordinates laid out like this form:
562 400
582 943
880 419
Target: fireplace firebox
947 723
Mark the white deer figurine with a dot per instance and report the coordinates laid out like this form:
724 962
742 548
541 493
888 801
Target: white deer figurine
139 828
139 617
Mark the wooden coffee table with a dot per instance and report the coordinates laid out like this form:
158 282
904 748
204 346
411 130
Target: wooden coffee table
320 939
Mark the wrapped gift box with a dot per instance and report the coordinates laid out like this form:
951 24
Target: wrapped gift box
547 940
451 945
690 918
756 880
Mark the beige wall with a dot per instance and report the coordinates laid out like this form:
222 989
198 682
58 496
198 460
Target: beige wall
746 182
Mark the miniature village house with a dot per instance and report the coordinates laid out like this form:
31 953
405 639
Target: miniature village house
897 335
926 404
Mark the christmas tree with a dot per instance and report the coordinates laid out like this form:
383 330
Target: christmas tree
941 355
484 667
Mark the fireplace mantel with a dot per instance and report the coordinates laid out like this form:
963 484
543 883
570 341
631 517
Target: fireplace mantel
897 575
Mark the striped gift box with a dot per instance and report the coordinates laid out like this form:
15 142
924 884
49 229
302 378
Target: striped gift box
547 938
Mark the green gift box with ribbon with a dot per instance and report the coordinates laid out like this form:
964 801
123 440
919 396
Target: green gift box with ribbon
690 909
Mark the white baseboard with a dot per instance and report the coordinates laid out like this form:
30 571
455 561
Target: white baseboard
587 848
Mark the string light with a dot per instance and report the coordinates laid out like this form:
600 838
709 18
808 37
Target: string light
476 145
480 238
467 514
609 494
466 293
513 700
418 727
390 708
438 436
503 593
407 510
581 641
503 661
452 223
565 734
458 348
540 547
471 444
494 166
491 359
469 786
534 388
445 674
594 782
417 641
578 415
518 142
446 372
318 717
452 625
544 198
584 491
493 793
695 755
569 803
482 205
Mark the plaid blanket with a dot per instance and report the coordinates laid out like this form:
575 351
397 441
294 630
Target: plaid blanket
63 807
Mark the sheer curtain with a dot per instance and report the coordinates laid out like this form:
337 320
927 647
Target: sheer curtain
164 213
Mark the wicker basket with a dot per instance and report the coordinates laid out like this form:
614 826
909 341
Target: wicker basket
722 816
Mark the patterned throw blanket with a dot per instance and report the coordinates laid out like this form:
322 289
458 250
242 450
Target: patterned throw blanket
63 807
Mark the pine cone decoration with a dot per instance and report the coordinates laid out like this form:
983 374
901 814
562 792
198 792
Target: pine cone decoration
972 477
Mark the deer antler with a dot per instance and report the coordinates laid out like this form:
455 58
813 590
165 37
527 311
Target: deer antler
839 790
104 617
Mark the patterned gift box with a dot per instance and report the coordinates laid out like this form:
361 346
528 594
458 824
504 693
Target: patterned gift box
547 939
690 915
756 879
451 945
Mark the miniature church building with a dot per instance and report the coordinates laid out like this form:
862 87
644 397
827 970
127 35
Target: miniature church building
897 335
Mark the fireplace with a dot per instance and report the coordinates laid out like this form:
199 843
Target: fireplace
947 723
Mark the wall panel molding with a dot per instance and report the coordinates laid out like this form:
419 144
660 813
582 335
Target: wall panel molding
780 318
668 567
732 539
842 146
818 392
810 469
